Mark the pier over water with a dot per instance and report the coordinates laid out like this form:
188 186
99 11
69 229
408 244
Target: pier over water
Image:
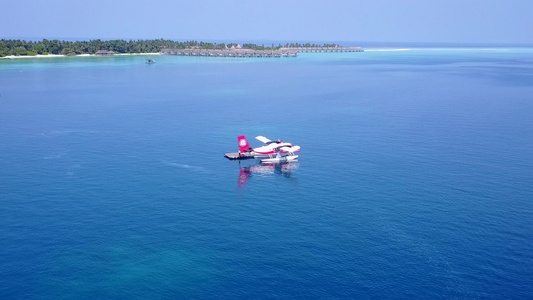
230 52
323 49
240 52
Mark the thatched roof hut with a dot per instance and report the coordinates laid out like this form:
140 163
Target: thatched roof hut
104 52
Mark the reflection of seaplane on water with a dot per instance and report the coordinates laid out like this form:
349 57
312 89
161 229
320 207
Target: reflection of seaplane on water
266 169
272 152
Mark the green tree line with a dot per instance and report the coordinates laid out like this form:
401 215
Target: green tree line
44 47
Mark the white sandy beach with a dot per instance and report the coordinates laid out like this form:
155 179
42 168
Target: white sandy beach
33 56
80 55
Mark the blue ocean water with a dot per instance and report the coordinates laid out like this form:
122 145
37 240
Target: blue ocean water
414 180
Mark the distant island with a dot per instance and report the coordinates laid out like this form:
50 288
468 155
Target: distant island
68 48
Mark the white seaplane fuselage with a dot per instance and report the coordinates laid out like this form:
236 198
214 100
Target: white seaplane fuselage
274 148
273 151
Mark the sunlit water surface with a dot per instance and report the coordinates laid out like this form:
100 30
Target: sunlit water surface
414 179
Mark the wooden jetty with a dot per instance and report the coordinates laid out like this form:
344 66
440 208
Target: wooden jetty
323 49
241 52
238 156
230 52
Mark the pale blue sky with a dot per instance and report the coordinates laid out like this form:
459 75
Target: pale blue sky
458 21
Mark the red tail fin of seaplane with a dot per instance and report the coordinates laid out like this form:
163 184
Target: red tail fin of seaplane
243 144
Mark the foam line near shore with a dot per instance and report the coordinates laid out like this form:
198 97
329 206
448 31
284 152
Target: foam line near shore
79 55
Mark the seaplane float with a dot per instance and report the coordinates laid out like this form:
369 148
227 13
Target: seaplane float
272 152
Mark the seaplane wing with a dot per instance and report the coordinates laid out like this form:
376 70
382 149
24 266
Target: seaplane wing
263 139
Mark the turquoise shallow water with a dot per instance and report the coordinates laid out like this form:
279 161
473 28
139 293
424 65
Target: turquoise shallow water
414 179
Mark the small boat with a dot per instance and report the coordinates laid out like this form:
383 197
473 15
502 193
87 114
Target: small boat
150 61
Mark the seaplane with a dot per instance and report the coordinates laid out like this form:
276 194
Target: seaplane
272 152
